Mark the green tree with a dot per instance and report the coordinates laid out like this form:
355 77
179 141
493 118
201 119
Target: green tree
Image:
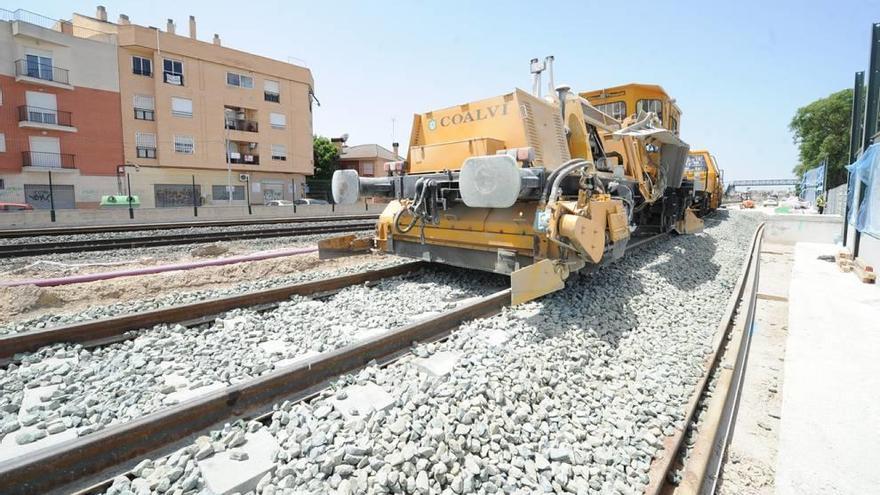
821 130
326 156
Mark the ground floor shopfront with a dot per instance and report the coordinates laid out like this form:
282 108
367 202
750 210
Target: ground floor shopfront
70 188
154 187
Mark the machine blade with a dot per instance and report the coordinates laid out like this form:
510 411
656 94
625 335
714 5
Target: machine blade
534 281
339 247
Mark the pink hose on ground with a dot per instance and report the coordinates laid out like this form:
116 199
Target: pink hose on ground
91 277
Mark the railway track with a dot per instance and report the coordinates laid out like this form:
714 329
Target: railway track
701 471
107 450
102 229
42 248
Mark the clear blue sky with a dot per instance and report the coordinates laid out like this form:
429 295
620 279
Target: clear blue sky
739 71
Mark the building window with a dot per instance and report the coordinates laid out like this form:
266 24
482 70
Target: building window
39 66
184 144
142 66
2 142
220 193
655 106
616 109
181 107
42 107
279 152
368 168
278 120
173 71
144 107
145 143
240 80
271 91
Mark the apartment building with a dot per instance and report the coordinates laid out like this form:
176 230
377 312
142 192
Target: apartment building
194 110
59 114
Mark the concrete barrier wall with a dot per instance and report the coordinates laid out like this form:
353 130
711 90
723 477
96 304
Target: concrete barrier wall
78 217
790 229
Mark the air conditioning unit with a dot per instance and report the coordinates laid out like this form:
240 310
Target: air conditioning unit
252 145
243 177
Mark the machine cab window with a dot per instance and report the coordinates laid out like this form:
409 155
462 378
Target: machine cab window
616 109
696 162
655 106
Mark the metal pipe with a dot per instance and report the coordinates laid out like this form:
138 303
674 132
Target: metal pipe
873 89
856 121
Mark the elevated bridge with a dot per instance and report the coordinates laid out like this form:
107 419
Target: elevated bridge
731 186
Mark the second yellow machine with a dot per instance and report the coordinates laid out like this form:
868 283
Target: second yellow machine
535 188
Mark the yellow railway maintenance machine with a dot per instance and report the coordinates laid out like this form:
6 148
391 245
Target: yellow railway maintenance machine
623 101
702 173
523 186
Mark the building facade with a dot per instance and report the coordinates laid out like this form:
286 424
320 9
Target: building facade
200 112
59 114
93 101
368 159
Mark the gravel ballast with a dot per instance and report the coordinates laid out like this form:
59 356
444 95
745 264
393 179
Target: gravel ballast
572 393
164 365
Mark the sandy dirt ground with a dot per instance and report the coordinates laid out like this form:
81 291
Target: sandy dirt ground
26 302
65 264
751 457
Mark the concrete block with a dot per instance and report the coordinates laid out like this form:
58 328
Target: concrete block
31 397
296 360
184 395
232 472
176 381
439 364
496 337
361 400
9 449
274 347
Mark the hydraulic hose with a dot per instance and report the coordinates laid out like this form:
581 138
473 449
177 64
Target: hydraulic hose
563 173
550 178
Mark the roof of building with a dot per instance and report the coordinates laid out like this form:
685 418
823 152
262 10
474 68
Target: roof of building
364 151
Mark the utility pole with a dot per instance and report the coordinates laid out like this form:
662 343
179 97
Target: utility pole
195 198
228 164
51 198
130 209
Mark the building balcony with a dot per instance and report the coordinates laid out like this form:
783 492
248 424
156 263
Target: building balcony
45 118
37 73
242 125
244 159
44 160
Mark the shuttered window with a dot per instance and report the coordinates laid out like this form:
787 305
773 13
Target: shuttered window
145 143
279 152
278 120
184 144
181 107
144 107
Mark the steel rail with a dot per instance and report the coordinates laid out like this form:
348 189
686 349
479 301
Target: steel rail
703 469
117 327
664 464
20 250
102 229
59 465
